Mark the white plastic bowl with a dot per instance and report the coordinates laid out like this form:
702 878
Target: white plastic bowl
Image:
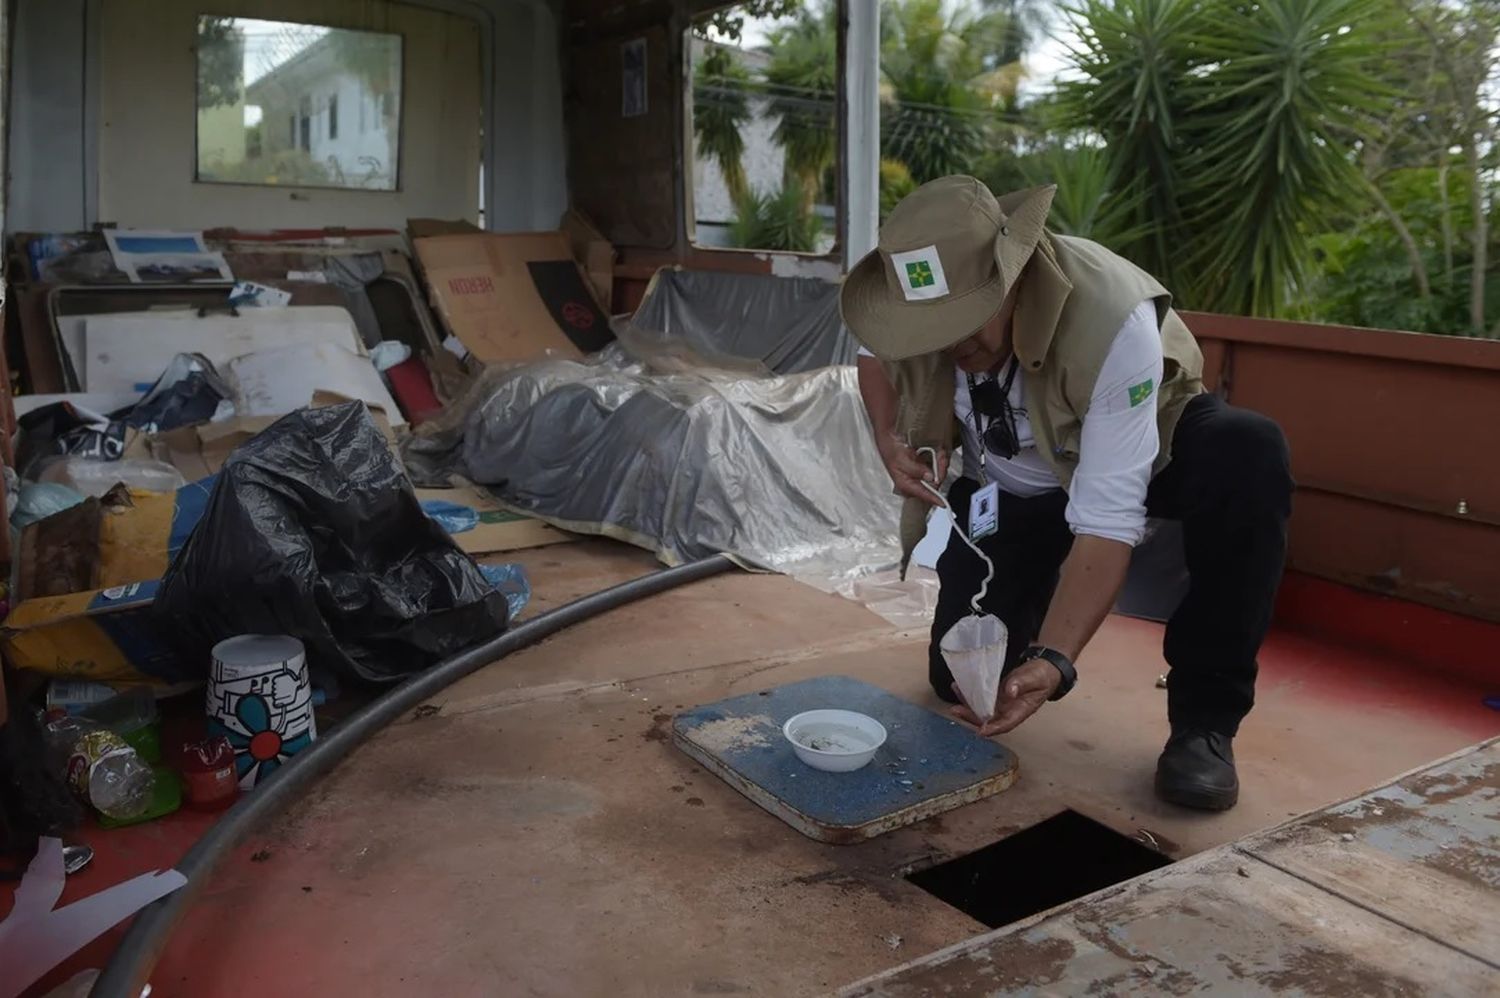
835 741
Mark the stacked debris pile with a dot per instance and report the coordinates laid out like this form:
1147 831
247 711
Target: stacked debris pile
725 431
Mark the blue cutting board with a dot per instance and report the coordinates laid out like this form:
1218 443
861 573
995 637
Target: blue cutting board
929 764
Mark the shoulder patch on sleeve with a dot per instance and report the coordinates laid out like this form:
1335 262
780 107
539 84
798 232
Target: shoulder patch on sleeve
1141 392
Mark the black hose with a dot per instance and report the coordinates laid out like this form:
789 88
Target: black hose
131 964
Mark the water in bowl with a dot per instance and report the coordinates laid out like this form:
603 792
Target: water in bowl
834 738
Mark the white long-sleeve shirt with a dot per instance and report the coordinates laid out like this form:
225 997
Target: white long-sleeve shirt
1119 443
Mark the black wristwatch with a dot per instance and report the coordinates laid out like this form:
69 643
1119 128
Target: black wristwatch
1059 661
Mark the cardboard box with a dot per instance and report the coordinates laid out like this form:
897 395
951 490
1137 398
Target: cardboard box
594 254
201 450
106 636
126 536
483 288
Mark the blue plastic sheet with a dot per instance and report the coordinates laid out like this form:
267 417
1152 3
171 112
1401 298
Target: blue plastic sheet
511 580
450 515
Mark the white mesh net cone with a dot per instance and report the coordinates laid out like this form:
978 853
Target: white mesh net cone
974 649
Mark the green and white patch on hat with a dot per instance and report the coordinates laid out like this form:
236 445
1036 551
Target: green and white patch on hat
920 274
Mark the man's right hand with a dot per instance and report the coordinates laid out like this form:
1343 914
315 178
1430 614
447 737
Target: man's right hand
909 471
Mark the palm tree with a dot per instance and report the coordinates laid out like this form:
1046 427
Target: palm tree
1223 121
1025 20
1090 202
721 110
801 82
944 82
895 183
775 221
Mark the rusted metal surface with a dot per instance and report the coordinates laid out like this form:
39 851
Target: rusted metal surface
1396 892
1423 852
1393 437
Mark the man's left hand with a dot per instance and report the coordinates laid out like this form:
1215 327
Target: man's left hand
1021 693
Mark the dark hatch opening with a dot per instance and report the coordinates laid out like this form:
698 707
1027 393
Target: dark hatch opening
1048 864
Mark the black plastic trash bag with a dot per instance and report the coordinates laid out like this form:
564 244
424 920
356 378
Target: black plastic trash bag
189 391
313 530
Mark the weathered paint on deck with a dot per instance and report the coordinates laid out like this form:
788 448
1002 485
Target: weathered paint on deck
1395 892
533 831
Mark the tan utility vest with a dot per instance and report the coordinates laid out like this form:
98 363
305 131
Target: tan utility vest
1073 298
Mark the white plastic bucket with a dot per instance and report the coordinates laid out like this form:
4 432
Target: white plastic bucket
260 698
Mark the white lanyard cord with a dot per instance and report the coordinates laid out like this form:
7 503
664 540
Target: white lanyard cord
984 587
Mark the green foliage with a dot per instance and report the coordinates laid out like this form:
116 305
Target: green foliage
1129 59
1289 78
373 57
1024 22
946 82
1417 252
780 222
721 110
895 183
1364 275
801 82
730 22
289 167
221 52
1310 158
376 59
1090 202
943 79
1228 122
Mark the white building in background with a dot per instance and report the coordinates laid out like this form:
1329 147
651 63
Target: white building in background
312 102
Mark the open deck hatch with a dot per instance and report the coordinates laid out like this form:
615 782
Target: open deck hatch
1052 862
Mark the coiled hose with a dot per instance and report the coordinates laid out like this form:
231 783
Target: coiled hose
130 967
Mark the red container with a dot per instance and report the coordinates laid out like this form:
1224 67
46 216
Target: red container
412 386
209 782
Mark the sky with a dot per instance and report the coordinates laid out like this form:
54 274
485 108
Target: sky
270 43
267 45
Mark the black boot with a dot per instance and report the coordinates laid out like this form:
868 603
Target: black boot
1196 770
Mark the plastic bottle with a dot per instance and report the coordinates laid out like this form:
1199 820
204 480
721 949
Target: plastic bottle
131 714
101 768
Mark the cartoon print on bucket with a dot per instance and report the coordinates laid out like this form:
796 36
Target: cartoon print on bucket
260 698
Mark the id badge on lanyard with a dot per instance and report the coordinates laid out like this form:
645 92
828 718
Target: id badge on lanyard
984 511
984 505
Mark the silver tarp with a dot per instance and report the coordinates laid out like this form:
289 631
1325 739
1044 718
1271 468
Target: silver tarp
778 471
786 325
726 419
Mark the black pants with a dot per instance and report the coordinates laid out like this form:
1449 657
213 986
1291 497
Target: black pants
1229 483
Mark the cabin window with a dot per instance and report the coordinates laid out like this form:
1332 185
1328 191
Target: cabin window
252 73
763 104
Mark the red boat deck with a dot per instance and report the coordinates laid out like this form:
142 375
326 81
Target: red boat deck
538 834
1394 892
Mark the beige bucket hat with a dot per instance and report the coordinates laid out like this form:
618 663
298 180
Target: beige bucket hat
948 255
